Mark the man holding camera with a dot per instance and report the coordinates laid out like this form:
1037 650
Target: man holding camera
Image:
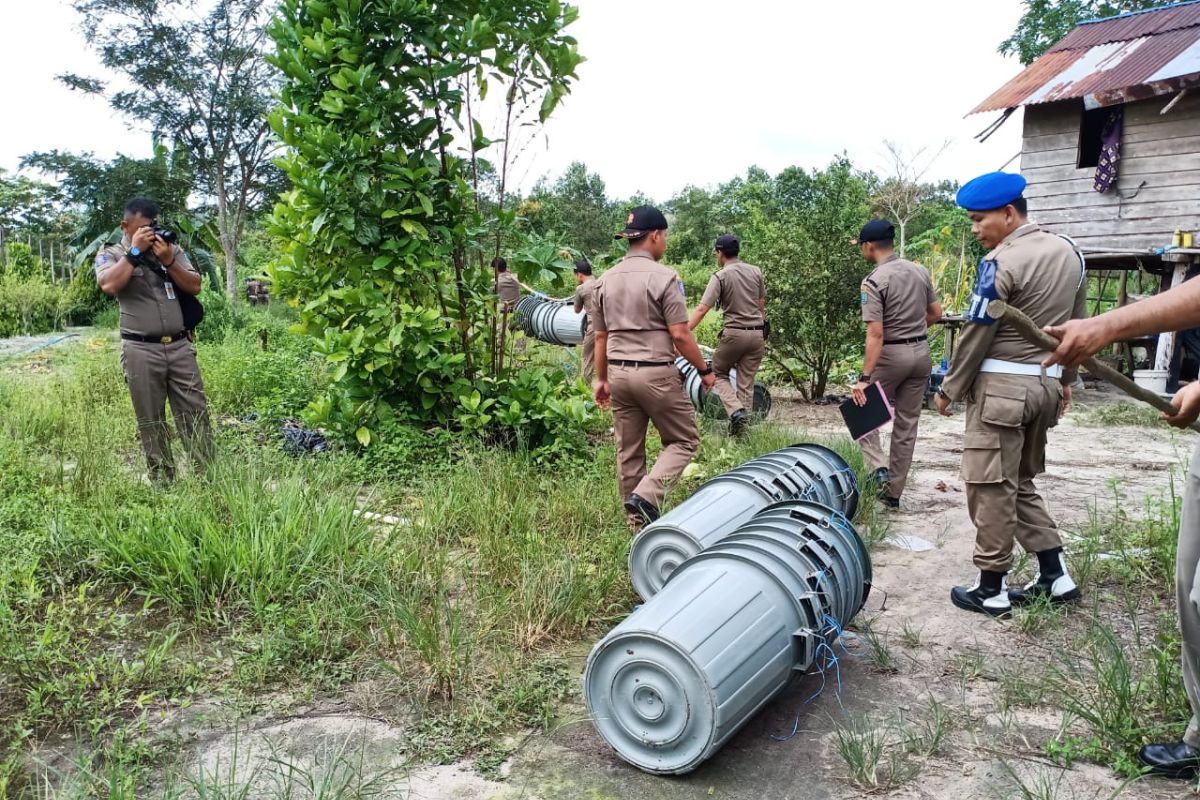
147 273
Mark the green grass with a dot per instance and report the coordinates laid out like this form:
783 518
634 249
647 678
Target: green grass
1123 413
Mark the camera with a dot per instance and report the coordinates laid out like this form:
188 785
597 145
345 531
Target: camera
167 235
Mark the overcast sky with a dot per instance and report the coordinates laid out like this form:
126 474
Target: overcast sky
719 86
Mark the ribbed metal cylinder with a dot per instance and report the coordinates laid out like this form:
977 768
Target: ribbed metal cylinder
551 321
708 402
669 685
800 472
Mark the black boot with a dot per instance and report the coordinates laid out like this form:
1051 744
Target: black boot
988 596
1171 760
641 507
738 422
1052 582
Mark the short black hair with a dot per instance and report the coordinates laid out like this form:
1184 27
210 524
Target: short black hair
1021 205
142 207
499 264
731 249
885 244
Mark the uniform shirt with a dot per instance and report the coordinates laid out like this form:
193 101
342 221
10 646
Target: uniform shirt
635 302
1038 273
585 300
736 289
898 293
146 308
508 288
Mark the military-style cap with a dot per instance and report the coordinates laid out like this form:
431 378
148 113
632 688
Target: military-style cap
583 267
641 221
877 230
991 191
727 241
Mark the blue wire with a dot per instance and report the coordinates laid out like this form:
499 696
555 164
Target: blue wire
832 661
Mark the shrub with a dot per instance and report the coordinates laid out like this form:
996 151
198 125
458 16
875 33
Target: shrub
29 306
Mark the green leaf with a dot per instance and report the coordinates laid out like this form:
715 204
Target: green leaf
363 435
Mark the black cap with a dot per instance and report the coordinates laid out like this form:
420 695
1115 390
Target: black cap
583 267
877 230
727 242
641 221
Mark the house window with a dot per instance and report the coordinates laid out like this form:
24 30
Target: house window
1091 132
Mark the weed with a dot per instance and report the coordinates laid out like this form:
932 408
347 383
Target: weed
878 654
1118 414
910 635
872 757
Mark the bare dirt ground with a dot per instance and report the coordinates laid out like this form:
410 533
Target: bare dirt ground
951 663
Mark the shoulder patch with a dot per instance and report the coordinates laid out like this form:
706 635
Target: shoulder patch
103 257
871 283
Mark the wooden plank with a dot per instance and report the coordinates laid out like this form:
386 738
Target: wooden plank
1082 183
1133 165
1154 232
1092 199
1176 128
1047 118
1171 214
1049 158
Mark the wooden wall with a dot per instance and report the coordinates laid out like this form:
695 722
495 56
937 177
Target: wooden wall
1160 154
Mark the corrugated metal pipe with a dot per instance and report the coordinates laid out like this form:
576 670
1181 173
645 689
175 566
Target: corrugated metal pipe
708 401
800 472
548 320
733 625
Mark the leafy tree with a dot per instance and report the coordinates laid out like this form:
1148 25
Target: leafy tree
1046 21
384 241
199 76
812 271
27 206
574 207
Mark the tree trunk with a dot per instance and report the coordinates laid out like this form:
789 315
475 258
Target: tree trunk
903 231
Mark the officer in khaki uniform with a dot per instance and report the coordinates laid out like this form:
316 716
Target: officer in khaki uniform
506 286
641 320
736 288
585 292
1012 399
1174 310
146 274
898 306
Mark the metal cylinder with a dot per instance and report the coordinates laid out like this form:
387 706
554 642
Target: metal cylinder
800 472
669 685
551 321
709 402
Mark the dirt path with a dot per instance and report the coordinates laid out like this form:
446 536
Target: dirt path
949 663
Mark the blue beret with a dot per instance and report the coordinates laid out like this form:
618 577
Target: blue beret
990 191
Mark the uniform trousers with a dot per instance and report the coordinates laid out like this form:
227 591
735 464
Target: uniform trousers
641 395
742 350
903 373
158 373
1004 448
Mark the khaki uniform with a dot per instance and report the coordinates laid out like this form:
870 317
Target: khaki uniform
157 372
737 289
635 302
1009 414
585 294
1187 569
898 293
508 289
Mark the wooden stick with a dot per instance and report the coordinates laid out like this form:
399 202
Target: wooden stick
1034 335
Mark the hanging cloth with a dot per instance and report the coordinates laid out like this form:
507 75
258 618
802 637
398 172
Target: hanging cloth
1110 150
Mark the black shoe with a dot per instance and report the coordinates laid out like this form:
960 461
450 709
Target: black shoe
879 477
979 600
641 507
1171 760
888 500
1057 587
738 422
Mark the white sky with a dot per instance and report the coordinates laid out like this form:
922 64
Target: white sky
723 86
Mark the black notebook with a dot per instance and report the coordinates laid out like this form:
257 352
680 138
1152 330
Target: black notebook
861 420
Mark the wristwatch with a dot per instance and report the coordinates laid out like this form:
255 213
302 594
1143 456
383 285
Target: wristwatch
135 252
944 396
705 371
864 377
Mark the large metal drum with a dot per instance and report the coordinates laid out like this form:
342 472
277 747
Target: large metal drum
552 321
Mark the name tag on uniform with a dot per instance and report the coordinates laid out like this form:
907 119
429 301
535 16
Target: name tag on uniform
170 287
984 293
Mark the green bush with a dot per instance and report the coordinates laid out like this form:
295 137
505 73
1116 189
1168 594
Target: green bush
83 301
29 306
240 377
535 409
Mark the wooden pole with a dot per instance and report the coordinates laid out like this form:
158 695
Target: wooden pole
1031 333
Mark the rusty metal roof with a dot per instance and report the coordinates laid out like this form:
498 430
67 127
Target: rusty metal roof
1115 60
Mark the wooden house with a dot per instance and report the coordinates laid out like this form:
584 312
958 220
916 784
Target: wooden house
1111 143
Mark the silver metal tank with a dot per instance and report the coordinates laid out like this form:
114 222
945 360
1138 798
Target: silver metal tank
708 402
552 321
800 472
677 678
